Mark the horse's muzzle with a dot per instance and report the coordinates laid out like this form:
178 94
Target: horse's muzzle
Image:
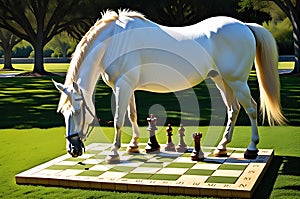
75 146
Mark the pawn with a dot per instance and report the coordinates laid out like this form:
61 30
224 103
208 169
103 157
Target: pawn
170 145
181 147
197 153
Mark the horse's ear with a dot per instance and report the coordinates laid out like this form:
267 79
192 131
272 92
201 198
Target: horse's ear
59 86
76 87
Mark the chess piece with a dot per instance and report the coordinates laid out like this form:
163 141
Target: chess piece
170 145
152 145
197 153
181 147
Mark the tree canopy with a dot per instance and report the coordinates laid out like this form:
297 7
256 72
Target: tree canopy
290 8
39 21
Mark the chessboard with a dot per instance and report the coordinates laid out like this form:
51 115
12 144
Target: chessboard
161 173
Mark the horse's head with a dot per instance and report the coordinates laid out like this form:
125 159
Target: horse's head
78 117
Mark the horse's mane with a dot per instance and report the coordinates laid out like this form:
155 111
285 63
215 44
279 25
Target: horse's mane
88 38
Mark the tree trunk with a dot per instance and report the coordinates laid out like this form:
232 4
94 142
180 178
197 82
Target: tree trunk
296 35
39 59
7 59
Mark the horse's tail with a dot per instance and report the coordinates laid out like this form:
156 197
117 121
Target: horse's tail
266 64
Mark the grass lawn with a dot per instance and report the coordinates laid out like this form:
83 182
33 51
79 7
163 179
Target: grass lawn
31 132
51 67
63 67
25 148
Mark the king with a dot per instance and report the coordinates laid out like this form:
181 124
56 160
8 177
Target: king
152 145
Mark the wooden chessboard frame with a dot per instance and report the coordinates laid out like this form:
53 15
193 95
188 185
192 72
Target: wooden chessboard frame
194 185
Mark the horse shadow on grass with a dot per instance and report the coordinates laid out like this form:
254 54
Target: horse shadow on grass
280 165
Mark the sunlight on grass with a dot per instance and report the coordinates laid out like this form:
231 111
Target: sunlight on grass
63 67
286 65
50 67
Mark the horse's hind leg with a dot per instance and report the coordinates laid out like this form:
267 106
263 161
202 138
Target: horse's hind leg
132 113
233 109
242 92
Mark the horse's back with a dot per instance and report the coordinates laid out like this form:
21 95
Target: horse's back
165 59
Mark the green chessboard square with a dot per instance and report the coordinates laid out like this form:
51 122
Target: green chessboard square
187 154
232 167
78 159
138 176
91 173
180 165
165 159
152 164
200 172
98 156
221 179
123 148
138 158
82 166
164 177
58 167
121 169
93 151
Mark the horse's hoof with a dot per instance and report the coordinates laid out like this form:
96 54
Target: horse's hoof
133 150
220 153
112 159
250 154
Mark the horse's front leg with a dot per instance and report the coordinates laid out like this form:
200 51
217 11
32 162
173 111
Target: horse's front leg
122 96
132 114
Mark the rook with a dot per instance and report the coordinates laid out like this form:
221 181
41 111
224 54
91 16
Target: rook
197 153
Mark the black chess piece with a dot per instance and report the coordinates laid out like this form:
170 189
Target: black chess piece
169 145
197 153
152 145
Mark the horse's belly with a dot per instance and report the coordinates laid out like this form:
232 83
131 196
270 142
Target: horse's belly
164 79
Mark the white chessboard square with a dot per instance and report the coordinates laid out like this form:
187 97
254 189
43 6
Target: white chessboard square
192 178
231 173
237 156
125 157
113 174
179 171
97 147
130 164
86 155
108 152
101 167
206 166
47 172
92 161
70 172
67 163
184 159
150 170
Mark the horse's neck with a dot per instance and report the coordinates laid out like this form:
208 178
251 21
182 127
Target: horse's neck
87 78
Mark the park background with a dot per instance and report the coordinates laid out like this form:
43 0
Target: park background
32 132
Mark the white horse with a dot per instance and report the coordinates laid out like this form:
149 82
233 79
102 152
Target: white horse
132 53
